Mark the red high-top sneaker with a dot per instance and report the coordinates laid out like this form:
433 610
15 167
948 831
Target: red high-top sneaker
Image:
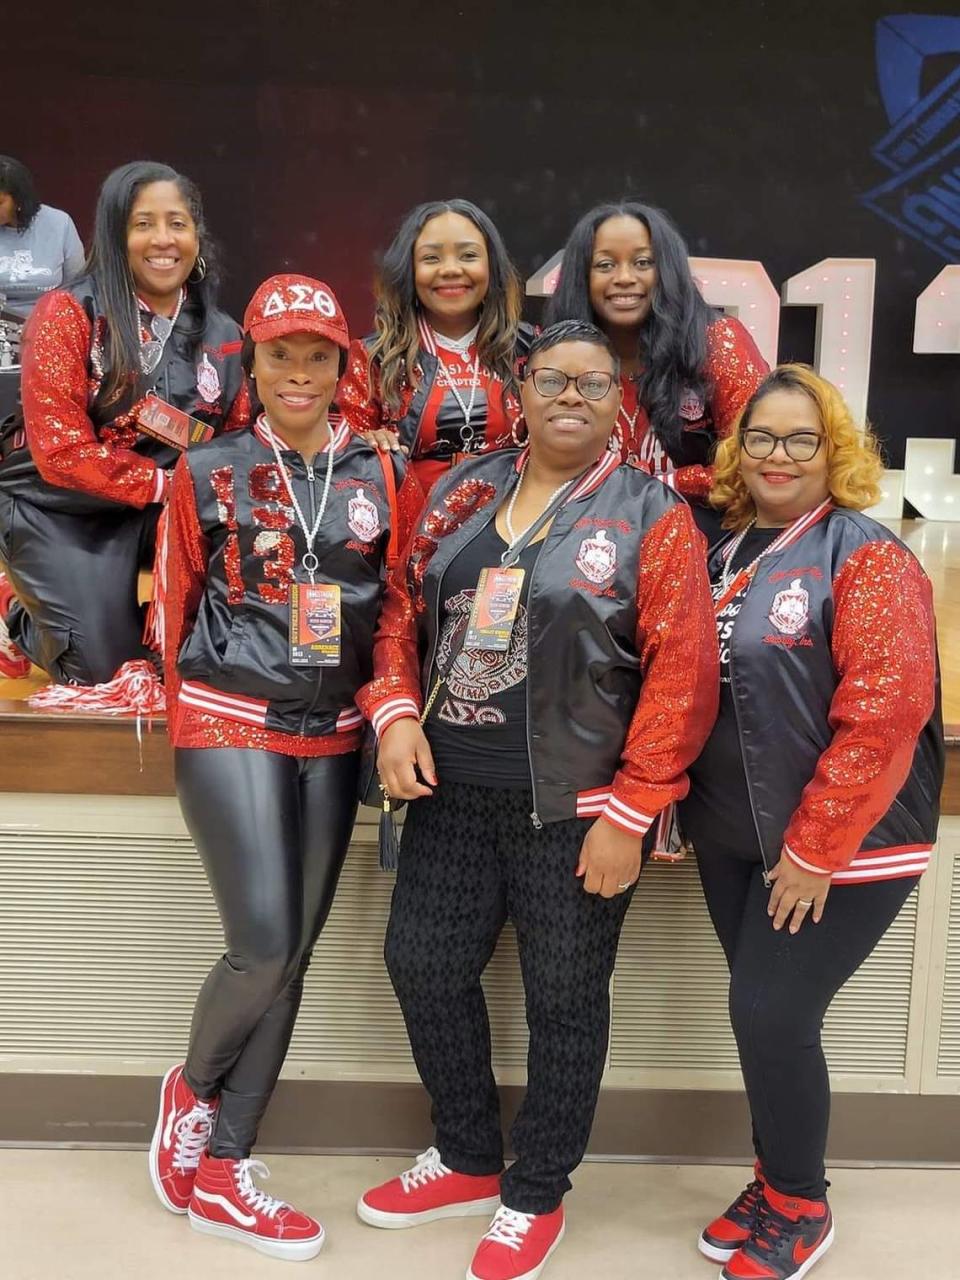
790 1237
429 1191
227 1202
723 1237
517 1245
184 1124
14 663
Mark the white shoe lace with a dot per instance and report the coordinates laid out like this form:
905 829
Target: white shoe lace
427 1169
251 1194
509 1227
192 1132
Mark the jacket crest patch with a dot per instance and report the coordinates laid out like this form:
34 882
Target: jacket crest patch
597 558
363 518
790 610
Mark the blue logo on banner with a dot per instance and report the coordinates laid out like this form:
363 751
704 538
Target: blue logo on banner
922 148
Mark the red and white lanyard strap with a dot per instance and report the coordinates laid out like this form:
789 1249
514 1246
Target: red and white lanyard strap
429 340
733 585
161 327
309 562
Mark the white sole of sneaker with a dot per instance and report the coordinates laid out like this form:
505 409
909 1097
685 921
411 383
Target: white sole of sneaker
814 1258
286 1250
155 1151
714 1252
397 1221
531 1275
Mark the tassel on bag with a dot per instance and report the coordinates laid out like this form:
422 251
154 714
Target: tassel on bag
388 843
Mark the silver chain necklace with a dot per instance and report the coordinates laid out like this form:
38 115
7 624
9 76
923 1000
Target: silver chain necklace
309 562
151 352
466 431
508 516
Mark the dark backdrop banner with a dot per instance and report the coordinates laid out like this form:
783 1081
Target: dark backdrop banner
786 132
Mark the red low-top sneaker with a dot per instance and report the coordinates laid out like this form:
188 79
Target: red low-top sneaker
227 1202
184 1124
517 1245
790 1237
724 1236
14 663
427 1192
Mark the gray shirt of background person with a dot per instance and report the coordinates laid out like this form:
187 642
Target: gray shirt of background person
45 256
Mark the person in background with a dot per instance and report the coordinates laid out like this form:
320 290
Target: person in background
813 808
39 246
435 377
553 626
687 371
81 488
275 552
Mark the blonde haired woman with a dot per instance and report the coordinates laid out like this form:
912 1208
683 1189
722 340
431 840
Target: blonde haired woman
814 805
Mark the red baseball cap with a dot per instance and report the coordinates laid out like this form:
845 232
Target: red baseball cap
295 304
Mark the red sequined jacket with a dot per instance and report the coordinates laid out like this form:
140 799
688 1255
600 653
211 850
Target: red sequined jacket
82 457
734 370
622 666
833 667
233 548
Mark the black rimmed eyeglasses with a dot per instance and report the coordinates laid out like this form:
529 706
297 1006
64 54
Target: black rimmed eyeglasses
800 446
592 385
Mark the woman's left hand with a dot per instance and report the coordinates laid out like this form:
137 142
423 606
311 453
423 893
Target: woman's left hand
609 860
796 891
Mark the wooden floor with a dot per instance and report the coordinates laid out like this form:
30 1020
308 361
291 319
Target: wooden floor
935 543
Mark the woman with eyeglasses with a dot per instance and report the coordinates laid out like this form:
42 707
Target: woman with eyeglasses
119 371
687 371
544 673
435 377
813 807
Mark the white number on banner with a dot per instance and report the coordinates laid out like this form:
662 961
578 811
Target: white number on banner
744 290
937 327
842 291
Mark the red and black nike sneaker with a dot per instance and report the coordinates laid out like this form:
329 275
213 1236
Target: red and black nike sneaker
724 1236
790 1237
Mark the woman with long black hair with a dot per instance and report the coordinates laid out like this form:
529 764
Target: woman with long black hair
132 357
687 371
435 377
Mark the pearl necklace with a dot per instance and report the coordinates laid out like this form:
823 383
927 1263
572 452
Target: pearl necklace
508 517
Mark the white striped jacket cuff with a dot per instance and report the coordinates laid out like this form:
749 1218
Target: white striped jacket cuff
399 707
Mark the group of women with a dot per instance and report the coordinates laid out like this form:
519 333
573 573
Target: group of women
481 541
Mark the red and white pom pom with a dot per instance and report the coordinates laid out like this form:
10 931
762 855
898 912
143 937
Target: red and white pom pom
134 690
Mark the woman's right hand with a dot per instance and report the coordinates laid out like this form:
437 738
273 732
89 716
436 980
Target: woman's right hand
403 749
385 439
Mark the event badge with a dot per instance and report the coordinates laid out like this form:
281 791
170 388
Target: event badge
171 426
494 611
314 624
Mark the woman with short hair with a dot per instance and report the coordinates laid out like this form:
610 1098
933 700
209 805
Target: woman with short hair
39 246
552 630
813 807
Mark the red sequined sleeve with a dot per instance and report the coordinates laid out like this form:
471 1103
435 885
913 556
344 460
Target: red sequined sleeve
394 692
410 504
735 368
363 411
62 439
241 412
187 552
676 636
884 649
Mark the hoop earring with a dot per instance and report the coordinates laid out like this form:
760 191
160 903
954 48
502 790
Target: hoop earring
200 267
514 432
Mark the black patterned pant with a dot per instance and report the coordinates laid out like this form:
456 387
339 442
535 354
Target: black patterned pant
470 861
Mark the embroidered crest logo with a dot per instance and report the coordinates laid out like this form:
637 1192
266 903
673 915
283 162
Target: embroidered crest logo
790 610
363 518
597 558
208 380
321 621
691 406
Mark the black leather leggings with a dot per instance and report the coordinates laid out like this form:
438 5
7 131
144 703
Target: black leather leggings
272 832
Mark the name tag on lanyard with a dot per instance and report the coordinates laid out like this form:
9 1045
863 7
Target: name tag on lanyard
170 425
494 612
315 624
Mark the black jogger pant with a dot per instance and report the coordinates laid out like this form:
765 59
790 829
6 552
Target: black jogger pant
77 614
781 986
470 860
272 832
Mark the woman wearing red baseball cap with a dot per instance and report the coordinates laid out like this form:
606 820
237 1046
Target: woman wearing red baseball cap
276 552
